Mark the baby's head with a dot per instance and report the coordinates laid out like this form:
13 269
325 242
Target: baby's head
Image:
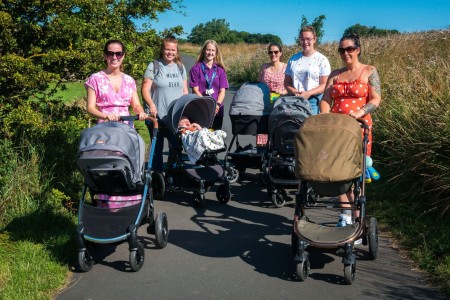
184 122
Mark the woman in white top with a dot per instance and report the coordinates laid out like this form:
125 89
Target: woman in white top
307 71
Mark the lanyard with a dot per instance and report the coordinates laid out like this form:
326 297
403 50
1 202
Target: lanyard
206 75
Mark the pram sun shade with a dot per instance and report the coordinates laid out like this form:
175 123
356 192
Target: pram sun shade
111 158
197 109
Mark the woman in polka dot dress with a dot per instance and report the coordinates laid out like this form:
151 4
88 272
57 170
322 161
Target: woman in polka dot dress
354 90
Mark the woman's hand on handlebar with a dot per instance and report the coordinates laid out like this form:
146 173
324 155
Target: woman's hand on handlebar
142 116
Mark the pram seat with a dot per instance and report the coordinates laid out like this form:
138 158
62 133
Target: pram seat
207 173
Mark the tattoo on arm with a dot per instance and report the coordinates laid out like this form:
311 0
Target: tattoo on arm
374 80
369 107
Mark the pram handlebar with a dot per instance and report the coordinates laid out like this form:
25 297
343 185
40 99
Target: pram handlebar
134 118
363 124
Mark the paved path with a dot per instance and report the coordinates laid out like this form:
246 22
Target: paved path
240 251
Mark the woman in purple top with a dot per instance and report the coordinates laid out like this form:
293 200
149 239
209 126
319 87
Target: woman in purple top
208 78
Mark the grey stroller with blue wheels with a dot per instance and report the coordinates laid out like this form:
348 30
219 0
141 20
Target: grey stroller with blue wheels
111 159
330 156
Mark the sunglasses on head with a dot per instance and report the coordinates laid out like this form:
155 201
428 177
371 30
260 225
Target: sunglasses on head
349 49
273 52
118 54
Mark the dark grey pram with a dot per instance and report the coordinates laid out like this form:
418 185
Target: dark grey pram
111 159
287 115
207 171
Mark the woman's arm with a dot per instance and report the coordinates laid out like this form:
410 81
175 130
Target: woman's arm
137 107
146 94
91 107
196 91
185 87
220 98
327 100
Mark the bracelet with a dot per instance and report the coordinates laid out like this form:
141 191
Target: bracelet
218 103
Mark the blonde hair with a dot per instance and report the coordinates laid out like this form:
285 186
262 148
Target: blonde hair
218 57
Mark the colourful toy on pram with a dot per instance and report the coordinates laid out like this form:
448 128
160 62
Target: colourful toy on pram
111 159
330 157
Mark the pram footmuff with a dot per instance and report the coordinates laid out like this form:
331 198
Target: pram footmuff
330 156
287 115
207 170
111 159
249 115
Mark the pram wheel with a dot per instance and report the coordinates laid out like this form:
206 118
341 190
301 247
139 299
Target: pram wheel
373 238
349 273
199 199
137 257
85 261
302 269
223 194
158 185
232 174
161 230
279 198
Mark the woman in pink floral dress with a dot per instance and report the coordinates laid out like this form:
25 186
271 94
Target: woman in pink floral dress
272 73
110 93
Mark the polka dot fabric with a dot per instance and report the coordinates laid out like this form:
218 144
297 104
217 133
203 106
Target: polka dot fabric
350 97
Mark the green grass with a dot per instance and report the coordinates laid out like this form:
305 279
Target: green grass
35 250
70 91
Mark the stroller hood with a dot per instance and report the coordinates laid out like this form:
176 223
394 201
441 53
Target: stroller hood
252 99
115 136
199 110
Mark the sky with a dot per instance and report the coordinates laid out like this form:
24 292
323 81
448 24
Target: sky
283 17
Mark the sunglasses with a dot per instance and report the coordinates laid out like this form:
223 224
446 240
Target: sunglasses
273 52
118 54
349 49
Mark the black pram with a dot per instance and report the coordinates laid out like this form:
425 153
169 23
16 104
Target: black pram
205 172
287 115
249 114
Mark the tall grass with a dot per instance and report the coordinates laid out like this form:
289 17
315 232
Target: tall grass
411 136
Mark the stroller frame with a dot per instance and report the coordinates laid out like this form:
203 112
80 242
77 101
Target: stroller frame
306 233
90 232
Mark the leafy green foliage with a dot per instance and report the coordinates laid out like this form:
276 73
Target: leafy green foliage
317 24
38 44
219 30
365 31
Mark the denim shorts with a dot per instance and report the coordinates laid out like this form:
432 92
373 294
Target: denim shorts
315 101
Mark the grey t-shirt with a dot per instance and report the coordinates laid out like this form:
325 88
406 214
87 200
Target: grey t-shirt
167 85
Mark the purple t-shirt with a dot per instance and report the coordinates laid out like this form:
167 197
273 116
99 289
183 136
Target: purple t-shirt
197 78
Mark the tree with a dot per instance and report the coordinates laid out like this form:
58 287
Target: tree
219 30
216 29
317 24
56 41
365 31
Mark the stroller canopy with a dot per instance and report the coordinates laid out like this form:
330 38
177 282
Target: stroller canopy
197 109
289 108
115 136
252 99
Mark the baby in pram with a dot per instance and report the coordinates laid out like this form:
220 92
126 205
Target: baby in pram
196 140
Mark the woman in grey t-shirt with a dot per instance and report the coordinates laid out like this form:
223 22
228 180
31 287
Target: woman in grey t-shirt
165 81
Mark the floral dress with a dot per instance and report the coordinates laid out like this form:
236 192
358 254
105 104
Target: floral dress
109 101
349 97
